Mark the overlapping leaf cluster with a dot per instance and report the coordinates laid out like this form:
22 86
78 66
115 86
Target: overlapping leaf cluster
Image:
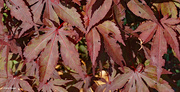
68 45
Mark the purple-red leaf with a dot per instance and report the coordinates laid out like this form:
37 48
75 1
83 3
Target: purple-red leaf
141 9
119 13
69 53
89 7
170 34
36 45
136 81
1 4
164 34
103 10
148 29
32 69
111 35
112 31
150 77
54 85
69 15
13 83
48 59
20 10
77 2
1 24
93 44
171 39
49 13
158 49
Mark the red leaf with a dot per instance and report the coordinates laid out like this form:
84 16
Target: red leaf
69 15
1 4
69 53
1 24
170 35
17 7
49 54
148 29
164 34
149 76
54 85
48 57
48 60
25 26
134 81
36 10
14 84
93 44
49 13
119 13
89 7
85 83
36 45
14 47
141 9
111 35
4 43
170 21
103 10
119 80
77 2
158 49
21 12
32 69
112 30
116 1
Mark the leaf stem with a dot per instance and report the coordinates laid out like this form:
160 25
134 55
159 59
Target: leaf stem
61 25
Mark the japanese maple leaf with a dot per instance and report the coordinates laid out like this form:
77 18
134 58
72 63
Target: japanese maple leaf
15 83
48 13
118 13
53 10
77 2
1 5
47 46
1 16
95 18
141 9
93 43
32 69
69 15
165 34
85 83
54 85
17 7
1 24
136 81
92 35
7 45
111 34
88 11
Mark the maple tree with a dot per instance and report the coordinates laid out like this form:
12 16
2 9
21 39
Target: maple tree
89 45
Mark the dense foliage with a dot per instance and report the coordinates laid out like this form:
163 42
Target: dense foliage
89 45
